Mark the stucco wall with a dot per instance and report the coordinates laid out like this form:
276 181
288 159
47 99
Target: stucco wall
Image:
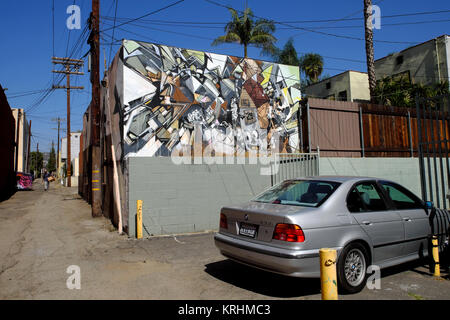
355 83
359 86
421 61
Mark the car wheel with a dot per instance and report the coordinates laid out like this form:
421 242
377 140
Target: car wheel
351 268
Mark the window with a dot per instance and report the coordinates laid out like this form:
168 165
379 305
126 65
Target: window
306 193
402 198
328 85
399 60
245 102
342 96
365 197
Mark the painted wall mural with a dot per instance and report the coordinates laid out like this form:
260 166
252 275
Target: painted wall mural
173 97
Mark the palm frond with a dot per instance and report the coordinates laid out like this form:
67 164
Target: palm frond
229 37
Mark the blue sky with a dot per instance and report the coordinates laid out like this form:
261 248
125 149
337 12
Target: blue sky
26 30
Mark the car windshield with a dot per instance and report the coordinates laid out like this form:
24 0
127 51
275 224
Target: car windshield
307 193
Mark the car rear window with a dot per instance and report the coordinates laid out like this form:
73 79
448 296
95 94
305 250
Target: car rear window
306 193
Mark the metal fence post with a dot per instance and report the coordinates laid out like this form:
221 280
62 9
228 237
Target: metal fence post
318 161
420 151
361 130
309 127
410 135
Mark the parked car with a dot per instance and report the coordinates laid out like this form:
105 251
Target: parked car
368 221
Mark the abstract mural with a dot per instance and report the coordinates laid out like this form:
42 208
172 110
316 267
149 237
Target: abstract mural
172 98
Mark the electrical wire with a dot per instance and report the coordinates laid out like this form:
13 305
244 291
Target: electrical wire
148 14
281 21
319 32
114 28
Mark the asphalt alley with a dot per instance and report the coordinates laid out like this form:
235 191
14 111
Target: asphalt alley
43 233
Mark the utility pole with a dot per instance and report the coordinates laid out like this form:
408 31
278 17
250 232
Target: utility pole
59 127
72 66
94 146
368 28
17 139
37 161
28 151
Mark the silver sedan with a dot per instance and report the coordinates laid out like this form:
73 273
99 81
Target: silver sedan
368 221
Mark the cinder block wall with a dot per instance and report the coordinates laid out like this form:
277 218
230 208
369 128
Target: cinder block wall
404 171
187 198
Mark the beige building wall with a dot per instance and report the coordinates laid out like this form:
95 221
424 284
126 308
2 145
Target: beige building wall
24 132
359 86
347 86
426 63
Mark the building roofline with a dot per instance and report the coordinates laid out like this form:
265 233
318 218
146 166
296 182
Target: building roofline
222 54
419 44
336 75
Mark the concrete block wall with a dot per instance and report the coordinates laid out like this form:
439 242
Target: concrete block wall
187 198
404 171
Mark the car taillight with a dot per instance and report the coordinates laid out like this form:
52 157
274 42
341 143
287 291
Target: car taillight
223 221
288 232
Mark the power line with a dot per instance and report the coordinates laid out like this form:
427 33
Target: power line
76 48
280 21
148 14
319 32
114 28
383 17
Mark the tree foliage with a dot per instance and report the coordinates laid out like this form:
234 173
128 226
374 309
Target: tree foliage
312 66
36 162
288 55
51 164
402 93
245 30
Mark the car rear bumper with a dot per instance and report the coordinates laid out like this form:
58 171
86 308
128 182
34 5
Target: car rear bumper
294 263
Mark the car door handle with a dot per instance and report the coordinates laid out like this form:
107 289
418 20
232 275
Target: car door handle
367 223
406 219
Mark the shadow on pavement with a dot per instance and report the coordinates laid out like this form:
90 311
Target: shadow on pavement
421 266
262 282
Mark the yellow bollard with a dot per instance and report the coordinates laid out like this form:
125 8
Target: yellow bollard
437 269
328 274
139 219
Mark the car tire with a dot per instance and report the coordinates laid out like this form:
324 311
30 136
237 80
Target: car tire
352 268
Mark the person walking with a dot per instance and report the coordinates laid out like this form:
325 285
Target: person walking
46 182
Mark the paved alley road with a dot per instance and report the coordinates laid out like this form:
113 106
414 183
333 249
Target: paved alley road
42 233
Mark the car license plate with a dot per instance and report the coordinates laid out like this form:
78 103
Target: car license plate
248 230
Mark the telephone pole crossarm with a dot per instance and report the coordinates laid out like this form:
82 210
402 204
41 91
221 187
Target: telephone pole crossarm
70 65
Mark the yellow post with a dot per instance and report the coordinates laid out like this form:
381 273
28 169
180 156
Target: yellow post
437 269
328 274
139 220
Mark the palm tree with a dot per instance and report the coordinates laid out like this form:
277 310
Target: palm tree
369 47
312 65
288 55
245 30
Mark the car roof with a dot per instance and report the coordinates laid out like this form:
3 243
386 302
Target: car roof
340 179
